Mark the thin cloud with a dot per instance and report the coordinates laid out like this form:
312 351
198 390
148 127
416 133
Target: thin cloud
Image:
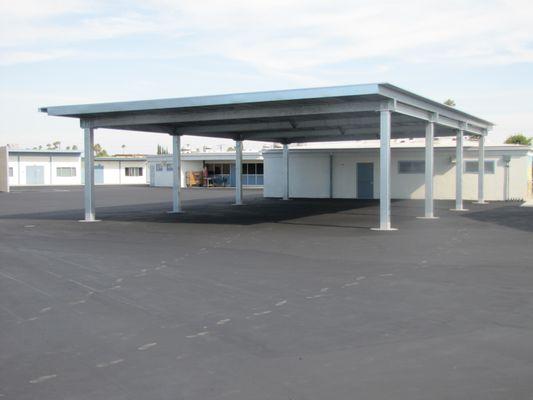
20 57
288 36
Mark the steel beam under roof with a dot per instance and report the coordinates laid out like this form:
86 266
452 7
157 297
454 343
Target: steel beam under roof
328 114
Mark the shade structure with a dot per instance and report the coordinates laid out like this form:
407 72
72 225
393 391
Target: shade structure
352 112
299 115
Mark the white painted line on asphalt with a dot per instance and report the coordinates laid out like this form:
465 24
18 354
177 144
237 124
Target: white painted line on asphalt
146 346
43 378
198 334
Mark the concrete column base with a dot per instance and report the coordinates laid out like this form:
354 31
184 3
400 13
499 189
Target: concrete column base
432 217
89 220
458 209
481 202
174 212
384 229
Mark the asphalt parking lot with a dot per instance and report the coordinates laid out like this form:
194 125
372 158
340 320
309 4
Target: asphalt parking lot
271 300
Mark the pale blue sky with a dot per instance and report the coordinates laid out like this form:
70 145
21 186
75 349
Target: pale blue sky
480 53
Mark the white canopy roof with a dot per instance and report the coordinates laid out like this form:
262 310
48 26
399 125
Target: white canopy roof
287 116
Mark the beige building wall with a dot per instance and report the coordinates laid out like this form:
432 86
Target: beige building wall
310 177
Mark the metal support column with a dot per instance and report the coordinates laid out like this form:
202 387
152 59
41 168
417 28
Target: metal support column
481 171
429 163
238 172
88 140
285 171
459 172
176 174
384 172
330 175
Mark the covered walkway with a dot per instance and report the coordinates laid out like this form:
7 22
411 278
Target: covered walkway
354 112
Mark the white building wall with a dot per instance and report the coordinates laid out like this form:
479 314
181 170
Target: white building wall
110 170
345 173
164 178
309 174
49 163
68 162
12 163
134 180
34 161
273 179
114 172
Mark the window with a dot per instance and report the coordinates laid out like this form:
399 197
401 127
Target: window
65 171
471 167
159 167
225 169
10 171
252 173
411 167
170 167
134 171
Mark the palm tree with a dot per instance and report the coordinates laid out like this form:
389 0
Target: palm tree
123 147
100 151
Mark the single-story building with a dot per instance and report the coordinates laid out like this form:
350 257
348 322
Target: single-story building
118 170
23 167
220 168
42 167
351 170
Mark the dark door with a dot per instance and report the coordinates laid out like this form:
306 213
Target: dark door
365 180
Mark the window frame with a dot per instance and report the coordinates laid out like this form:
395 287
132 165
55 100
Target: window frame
491 170
71 172
411 170
128 171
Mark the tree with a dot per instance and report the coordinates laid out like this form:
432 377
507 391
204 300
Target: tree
161 149
67 148
450 103
123 147
519 139
57 145
48 146
99 151
74 147
231 148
